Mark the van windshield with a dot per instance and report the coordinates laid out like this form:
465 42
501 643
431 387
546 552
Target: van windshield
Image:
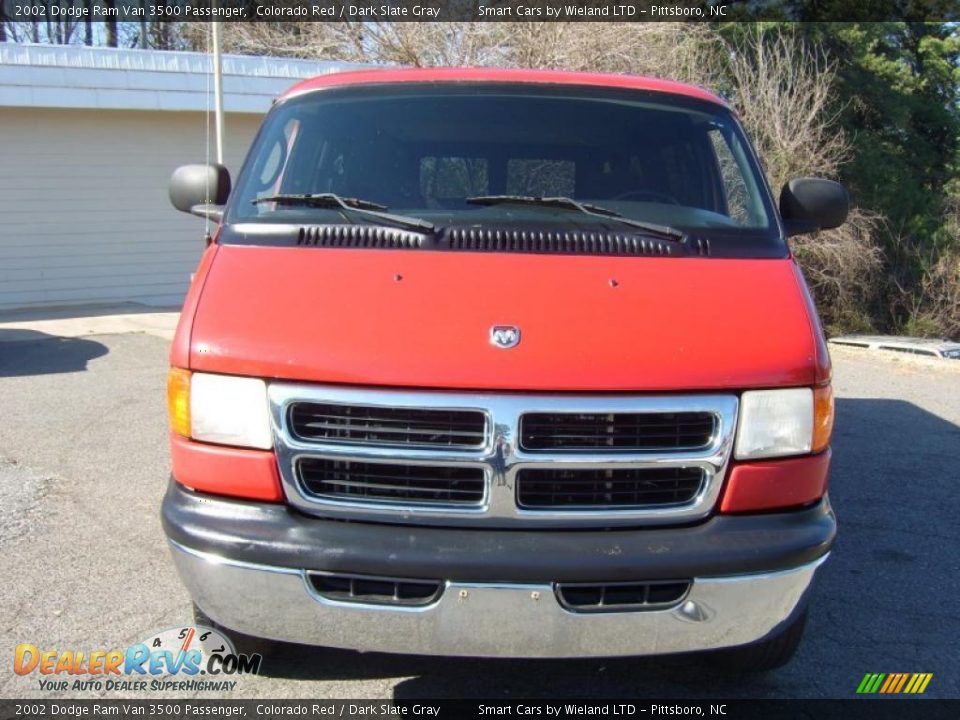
429 151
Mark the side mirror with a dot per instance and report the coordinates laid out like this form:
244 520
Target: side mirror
201 190
809 204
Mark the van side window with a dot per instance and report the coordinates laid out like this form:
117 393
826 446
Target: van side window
669 168
453 178
740 199
270 172
734 188
683 175
541 177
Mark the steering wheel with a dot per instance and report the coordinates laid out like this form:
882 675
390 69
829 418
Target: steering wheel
655 196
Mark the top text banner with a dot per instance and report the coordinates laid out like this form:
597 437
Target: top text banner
473 10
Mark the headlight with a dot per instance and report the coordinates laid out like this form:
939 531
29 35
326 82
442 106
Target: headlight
222 409
774 423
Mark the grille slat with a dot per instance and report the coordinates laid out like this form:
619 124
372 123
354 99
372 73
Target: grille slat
379 486
619 425
631 487
619 431
384 429
328 422
672 493
624 435
382 482
413 422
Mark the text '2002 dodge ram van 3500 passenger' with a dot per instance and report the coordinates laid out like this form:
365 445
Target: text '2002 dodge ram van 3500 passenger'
502 363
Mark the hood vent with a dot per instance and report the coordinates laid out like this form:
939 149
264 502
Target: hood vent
359 236
456 239
573 242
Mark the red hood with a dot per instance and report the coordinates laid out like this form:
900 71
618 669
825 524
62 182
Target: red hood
422 319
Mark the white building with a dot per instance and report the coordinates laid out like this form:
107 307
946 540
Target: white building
88 139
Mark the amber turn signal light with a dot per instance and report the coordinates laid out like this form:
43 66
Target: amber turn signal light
822 417
178 400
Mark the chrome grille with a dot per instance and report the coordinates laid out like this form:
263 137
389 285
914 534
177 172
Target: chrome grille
633 487
364 481
616 431
387 426
349 453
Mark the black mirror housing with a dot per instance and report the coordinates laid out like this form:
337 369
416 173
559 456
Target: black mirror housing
809 204
200 189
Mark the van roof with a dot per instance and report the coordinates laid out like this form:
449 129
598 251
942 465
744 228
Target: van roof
459 75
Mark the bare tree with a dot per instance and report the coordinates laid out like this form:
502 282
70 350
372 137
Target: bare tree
783 90
88 23
111 23
925 283
676 50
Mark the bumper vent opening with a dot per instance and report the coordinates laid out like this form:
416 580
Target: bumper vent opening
381 482
331 423
591 489
375 590
616 431
619 597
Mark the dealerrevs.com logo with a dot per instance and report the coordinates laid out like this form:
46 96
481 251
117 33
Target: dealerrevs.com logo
193 658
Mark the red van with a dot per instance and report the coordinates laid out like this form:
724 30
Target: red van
502 363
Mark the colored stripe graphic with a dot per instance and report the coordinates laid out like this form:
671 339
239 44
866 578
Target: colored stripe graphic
903 680
870 683
894 683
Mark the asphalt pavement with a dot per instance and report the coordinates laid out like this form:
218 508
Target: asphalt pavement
83 467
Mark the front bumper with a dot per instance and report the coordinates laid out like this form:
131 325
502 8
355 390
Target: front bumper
245 564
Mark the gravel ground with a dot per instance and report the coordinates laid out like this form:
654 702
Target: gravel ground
83 466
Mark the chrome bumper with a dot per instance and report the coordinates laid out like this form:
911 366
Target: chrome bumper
490 620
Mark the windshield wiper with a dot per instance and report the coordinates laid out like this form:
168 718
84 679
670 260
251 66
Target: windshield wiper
567 203
364 208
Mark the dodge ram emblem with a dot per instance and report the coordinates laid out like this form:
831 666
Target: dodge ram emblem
504 336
